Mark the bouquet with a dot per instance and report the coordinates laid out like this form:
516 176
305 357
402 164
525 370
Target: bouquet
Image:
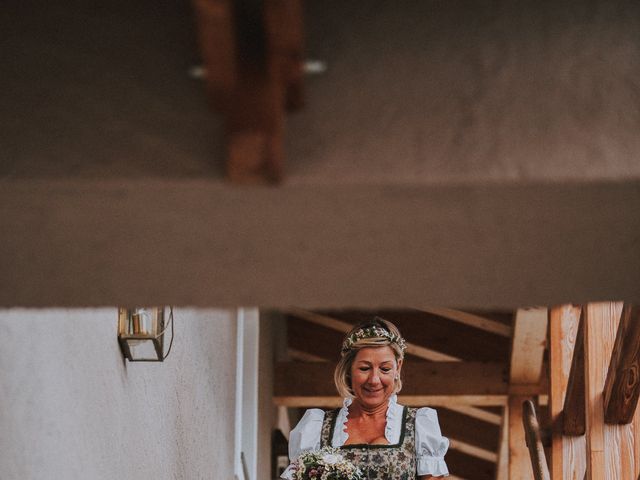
324 464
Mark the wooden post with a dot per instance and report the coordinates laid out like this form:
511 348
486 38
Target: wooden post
502 467
600 325
252 51
568 453
527 351
519 462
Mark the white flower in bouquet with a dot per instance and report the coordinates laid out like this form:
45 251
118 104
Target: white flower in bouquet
324 464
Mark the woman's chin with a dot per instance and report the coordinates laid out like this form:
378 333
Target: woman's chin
372 399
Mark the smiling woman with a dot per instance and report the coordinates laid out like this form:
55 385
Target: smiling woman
383 438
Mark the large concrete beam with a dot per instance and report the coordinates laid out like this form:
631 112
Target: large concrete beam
79 243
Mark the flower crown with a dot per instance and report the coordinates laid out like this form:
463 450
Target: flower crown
373 331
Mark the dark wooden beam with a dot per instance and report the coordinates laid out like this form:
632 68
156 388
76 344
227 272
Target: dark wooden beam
312 338
298 379
622 387
217 40
252 51
465 466
573 412
437 333
469 430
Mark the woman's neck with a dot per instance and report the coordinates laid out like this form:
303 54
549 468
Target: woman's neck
356 409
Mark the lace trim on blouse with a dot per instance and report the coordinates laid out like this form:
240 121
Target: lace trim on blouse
392 429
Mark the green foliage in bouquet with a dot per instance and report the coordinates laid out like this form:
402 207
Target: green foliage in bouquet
325 464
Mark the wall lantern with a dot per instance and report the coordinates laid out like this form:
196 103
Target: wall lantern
141 333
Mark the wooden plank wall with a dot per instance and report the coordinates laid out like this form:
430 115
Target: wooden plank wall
607 452
612 450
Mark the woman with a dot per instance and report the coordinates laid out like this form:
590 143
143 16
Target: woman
386 440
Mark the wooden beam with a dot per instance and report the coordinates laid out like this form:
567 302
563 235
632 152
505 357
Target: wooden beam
436 333
301 356
216 36
532 389
478 413
345 327
519 463
313 338
466 466
573 412
502 467
470 431
253 57
622 386
529 337
527 354
567 452
473 450
603 444
410 400
288 43
534 442
471 320
297 379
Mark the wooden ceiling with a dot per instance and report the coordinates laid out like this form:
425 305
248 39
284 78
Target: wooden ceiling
461 362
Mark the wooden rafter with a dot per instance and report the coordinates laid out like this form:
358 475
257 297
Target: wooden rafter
344 327
471 436
473 451
252 51
622 387
471 320
429 383
302 356
502 466
446 401
472 468
529 337
478 413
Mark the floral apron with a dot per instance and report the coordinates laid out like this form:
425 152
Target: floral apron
380 462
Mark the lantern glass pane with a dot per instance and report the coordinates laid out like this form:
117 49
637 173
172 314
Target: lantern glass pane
142 350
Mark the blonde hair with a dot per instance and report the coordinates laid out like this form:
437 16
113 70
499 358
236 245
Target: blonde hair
342 373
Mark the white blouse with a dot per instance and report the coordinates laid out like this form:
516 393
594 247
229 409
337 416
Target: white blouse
431 446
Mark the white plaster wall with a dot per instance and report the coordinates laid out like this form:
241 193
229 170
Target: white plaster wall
71 408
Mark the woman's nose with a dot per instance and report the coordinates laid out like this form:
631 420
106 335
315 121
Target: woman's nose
374 378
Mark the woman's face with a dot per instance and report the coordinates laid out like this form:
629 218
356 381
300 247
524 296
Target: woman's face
372 375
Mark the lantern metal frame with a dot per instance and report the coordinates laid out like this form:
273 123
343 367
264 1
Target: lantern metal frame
131 331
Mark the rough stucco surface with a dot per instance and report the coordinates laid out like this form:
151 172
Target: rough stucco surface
422 91
71 408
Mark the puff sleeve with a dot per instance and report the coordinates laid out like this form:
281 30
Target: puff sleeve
431 446
306 434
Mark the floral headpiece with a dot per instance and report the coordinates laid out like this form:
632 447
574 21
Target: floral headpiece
373 331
